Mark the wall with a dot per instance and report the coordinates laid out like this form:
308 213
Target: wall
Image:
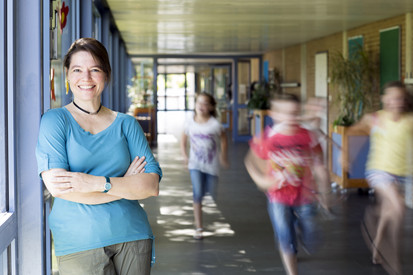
329 44
289 60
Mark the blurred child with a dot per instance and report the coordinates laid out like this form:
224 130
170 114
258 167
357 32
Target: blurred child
388 166
208 147
283 164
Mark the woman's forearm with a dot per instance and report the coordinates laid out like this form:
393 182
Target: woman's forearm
135 187
88 189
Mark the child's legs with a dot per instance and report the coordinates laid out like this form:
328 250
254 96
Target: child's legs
307 226
385 233
198 180
283 220
210 186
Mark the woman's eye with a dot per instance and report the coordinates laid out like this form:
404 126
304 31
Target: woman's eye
76 70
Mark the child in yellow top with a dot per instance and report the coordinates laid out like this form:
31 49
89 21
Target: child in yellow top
391 132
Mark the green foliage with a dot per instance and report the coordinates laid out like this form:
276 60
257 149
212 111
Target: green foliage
261 93
355 79
140 91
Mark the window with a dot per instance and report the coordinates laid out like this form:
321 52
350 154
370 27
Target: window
8 220
96 25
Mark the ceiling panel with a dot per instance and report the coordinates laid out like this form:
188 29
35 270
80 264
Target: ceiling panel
239 27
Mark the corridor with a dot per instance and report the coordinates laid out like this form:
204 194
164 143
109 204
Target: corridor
239 236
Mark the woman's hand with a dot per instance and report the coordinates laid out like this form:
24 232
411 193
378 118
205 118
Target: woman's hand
137 166
60 182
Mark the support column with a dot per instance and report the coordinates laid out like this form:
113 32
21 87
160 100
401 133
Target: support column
345 44
408 47
303 70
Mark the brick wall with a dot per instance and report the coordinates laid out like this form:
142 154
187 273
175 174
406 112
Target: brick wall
288 60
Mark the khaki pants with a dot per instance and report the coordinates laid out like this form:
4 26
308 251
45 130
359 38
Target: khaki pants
130 258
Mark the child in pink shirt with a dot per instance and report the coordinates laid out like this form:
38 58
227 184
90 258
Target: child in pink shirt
283 163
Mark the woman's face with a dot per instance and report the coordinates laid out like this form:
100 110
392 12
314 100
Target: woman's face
85 77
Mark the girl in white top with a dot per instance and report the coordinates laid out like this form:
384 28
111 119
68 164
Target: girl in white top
208 148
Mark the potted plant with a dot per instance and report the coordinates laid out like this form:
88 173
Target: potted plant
259 104
140 92
142 107
355 80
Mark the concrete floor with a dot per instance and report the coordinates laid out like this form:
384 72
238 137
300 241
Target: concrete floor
239 237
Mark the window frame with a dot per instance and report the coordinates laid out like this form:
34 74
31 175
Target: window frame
8 218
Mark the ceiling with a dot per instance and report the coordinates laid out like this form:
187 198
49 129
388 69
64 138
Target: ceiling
236 27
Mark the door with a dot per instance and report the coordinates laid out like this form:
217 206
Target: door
241 119
221 89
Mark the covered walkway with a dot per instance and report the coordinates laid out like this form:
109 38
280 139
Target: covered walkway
239 236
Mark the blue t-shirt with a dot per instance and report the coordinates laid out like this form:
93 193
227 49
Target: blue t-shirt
64 144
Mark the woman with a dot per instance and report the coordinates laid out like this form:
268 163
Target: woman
90 159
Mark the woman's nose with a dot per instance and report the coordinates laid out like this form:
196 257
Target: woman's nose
86 75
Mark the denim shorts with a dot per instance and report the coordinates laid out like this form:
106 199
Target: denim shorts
202 183
379 178
292 224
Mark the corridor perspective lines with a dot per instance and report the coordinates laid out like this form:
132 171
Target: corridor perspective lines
238 233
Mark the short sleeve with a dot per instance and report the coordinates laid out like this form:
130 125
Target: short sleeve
138 145
187 123
51 145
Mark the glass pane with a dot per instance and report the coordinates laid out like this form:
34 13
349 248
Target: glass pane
4 266
205 81
222 94
243 122
3 115
161 91
140 88
243 82
175 92
58 41
190 91
96 27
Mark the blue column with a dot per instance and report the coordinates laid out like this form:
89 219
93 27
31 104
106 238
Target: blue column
86 17
105 40
122 78
27 108
115 71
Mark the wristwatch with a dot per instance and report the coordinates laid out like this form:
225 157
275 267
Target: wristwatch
107 186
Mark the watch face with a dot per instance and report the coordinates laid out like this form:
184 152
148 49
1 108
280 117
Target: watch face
108 186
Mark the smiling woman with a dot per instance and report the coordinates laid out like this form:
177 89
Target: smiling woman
97 164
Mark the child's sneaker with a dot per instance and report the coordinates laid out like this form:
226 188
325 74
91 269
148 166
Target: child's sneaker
198 234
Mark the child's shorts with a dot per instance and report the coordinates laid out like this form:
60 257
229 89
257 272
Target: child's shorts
292 224
379 178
